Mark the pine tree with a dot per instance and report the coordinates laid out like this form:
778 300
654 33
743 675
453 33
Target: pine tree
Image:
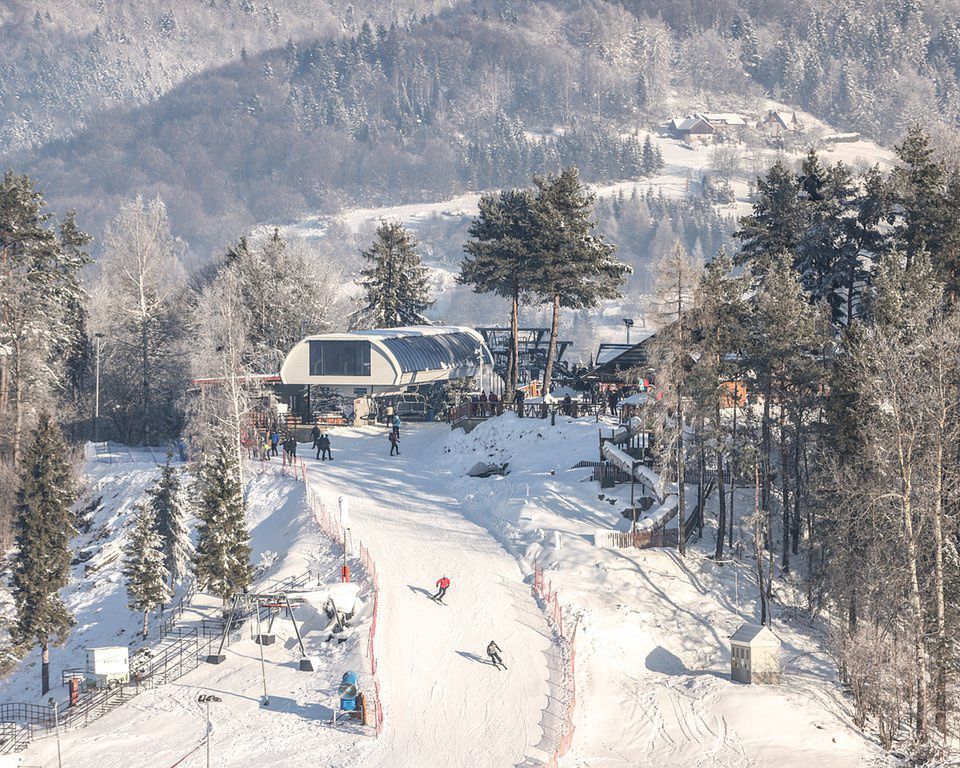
784 357
776 223
918 185
143 566
498 258
641 93
719 326
35 279
166 502
43 528
222 557
575 268
394 281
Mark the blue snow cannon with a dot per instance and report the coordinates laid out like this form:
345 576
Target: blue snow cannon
352 701
349 692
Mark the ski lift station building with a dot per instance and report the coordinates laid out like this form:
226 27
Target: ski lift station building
386 360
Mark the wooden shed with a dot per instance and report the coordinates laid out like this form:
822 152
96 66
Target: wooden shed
755 655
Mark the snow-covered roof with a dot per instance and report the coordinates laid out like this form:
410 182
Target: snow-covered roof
755 634
406 355
608 352
725 118
690 122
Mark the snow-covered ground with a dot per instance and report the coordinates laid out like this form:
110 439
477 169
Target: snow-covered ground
652 646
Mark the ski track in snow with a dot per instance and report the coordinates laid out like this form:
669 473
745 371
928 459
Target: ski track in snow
440 696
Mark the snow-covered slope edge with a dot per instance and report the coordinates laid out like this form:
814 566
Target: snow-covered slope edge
161 726
652 655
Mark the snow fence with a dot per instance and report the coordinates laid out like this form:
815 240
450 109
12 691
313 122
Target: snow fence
566 634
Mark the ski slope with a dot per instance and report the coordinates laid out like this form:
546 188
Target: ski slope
445 705
653 685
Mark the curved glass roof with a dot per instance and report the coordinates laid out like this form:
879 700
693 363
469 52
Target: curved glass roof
436 351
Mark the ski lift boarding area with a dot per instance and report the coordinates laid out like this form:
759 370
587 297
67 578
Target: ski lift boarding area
388 360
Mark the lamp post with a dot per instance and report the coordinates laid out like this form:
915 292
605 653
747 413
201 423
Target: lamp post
56 725
207 698
96 387
480 363
627 321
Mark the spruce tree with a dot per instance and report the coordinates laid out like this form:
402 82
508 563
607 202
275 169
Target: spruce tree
166 501
776 223
222 557
143 566
394 281
574 267
918 184
498 257
44 524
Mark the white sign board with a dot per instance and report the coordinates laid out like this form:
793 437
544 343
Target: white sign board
112 660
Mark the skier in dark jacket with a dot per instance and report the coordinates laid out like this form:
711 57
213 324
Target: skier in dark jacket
443 584
323 448
314 435
567 405
518 399
394 443
493 651
274 442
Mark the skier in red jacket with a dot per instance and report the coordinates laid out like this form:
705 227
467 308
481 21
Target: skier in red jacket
443 583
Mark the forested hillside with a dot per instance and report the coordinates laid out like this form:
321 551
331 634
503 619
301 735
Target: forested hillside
341 111
62 62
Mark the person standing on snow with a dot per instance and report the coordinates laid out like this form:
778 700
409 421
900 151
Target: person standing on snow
443 583
395 443
314 435
493 651
518 399
323 448
274 442
396 425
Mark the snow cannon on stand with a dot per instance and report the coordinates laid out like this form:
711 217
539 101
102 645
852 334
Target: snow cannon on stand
351 702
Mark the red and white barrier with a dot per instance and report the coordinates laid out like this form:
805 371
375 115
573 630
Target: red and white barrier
567 636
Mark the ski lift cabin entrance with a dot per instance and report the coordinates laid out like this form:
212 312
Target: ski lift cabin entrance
373 371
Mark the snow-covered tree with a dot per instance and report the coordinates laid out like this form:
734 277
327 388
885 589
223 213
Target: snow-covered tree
169 511
138 305
574 267
674 292
39 280
144 568
394 281
43 528
499 259
222 557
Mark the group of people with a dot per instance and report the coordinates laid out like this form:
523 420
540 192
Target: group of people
395 423
484 405
264 444
493 650
321 441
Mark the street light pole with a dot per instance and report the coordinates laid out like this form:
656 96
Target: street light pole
56 725
629 323
96 388
207 698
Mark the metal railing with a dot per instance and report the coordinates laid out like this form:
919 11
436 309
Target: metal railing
488 410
